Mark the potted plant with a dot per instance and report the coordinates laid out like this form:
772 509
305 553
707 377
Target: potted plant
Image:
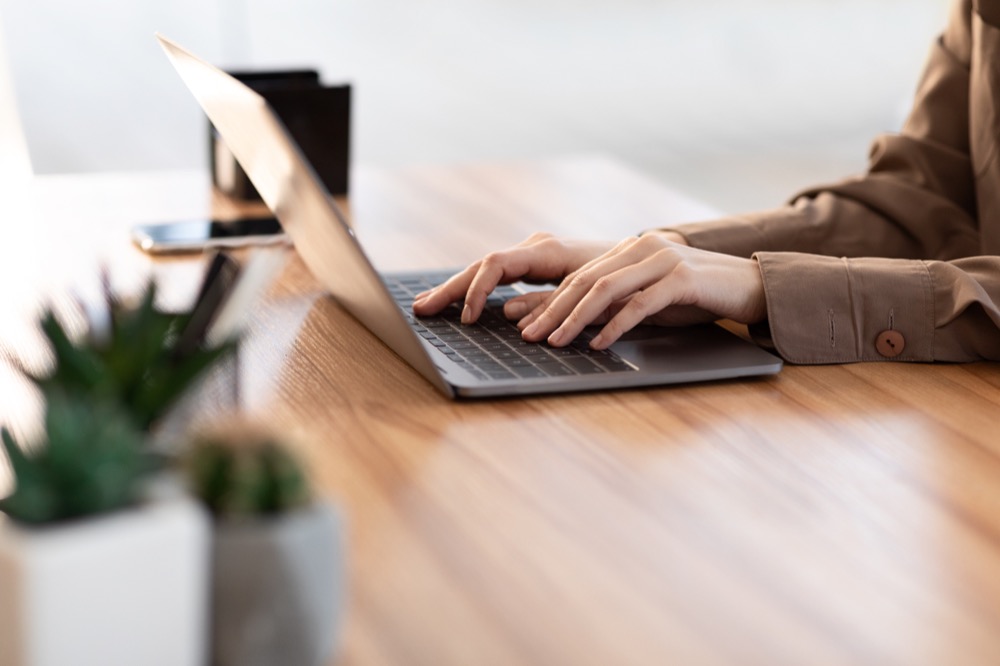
95 567
277 580
132 353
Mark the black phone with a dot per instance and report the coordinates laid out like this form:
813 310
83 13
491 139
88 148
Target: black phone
197 235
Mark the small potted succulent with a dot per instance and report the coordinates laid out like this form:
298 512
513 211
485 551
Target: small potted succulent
133 353
278 555
96 566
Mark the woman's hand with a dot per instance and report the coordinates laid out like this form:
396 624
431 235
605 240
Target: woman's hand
541 258
654 278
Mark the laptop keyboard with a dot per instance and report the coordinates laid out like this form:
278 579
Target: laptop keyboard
492 347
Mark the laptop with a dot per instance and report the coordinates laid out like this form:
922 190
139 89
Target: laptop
486 359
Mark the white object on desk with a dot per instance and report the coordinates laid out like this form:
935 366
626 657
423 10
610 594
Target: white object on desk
127 588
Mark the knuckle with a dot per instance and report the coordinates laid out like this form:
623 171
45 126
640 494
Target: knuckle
575 319
580 280
602 286
667 255
550 243
492 260
649 241
628 242
683 274
640 302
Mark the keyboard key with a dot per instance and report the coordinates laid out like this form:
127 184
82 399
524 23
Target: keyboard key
612 364
528 372
533 350
583 366
555 370
561 352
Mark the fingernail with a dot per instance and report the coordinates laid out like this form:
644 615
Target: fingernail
467 315
557 337
422 295
597 342
530 331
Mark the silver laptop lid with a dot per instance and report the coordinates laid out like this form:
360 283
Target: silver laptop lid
296 196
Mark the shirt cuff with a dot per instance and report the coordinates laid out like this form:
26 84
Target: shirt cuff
836 310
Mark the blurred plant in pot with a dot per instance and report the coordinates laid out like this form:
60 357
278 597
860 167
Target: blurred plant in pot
278 555
135 354
93 569
255 478
91 463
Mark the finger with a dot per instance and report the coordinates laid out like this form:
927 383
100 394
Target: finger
456 288
496 268
641 305
540 308
527 320
591 267
541 257
453 289
609 289
573 291
474 284
517 307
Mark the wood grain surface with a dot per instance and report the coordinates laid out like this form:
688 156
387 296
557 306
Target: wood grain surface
828 515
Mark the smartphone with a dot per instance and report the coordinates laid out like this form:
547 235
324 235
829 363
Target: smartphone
197 235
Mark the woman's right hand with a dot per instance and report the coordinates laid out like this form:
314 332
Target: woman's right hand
541 258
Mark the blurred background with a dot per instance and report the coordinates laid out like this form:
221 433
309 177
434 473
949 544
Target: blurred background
736 102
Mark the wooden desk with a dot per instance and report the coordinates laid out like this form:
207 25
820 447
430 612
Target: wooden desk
829 515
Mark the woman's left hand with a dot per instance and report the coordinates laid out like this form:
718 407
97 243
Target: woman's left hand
643 279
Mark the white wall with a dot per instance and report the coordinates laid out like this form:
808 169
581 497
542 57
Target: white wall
738 101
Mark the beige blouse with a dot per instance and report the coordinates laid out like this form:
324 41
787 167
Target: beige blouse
900 263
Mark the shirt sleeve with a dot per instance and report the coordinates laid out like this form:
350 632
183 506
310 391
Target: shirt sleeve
842 310
883 265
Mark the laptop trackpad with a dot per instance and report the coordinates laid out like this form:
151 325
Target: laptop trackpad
654 348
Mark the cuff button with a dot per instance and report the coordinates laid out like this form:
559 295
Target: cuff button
890 343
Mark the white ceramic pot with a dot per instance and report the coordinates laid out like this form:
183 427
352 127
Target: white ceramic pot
130 587
278 588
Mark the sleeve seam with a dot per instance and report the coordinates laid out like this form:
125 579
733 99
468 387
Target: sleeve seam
929 290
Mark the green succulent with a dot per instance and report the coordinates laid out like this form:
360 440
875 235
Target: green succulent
245 478
135 361
91 462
